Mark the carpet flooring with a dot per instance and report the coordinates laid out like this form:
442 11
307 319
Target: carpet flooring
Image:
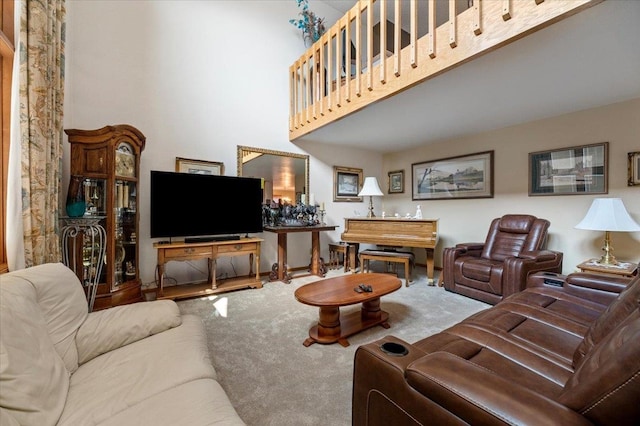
255 342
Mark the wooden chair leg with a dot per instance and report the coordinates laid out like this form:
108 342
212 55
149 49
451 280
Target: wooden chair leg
345 258
407 274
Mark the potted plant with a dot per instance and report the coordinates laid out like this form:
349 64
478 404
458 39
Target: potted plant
312 26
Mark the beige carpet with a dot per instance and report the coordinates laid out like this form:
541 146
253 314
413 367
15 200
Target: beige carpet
255 341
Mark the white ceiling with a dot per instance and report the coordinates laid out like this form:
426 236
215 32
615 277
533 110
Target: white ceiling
588 60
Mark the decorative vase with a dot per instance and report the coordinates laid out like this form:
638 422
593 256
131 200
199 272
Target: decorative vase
76 204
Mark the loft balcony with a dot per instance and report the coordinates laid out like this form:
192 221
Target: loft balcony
363 59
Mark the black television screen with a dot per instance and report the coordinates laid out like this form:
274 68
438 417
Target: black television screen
197 205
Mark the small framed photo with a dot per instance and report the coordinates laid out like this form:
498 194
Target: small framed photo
200 167
396 182
634 168
347 182
569 171
464 176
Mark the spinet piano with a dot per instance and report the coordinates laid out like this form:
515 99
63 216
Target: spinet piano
394 232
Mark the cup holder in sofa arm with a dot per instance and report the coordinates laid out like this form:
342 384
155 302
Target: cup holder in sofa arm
394 349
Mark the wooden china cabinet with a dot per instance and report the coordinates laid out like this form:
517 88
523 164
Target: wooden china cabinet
109 161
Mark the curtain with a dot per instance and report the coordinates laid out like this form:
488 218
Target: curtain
41 96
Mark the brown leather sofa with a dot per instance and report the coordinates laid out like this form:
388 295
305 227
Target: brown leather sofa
499 267
565 351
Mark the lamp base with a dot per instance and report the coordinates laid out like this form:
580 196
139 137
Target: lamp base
607 259
371 214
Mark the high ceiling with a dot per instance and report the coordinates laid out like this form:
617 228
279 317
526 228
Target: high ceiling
588 60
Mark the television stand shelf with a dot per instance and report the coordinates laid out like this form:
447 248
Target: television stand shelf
211 250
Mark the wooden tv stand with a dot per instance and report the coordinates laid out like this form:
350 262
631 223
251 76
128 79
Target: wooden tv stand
212 251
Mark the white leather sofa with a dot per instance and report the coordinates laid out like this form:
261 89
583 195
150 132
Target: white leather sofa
140 364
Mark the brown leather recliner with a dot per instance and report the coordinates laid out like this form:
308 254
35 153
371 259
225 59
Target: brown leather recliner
564 351
499 267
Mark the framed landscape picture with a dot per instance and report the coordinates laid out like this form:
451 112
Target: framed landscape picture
187 165
347 182
464 176
569 171
396 182
634 168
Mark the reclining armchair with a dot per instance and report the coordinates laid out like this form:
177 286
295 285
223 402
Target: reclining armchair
499 267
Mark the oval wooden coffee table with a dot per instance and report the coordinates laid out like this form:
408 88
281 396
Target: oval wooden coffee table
332 293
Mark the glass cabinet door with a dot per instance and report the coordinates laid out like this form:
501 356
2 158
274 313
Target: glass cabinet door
125 232
125 196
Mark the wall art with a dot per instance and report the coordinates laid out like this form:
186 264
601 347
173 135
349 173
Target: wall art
347 182
569 171
464 176
396 182
634 168
186 165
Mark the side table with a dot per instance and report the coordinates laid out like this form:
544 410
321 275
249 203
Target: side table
83 250
626 269
279 270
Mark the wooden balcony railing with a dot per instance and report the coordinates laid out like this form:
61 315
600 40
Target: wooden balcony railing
363 59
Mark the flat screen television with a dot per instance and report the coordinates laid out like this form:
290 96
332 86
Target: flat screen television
204 207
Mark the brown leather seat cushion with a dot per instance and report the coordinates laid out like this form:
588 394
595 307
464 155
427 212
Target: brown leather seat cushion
479 269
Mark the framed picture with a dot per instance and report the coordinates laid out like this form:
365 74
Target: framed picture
464 176
569 171
186 165
396 182
634 168
347 182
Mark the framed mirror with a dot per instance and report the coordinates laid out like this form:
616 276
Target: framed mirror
285 174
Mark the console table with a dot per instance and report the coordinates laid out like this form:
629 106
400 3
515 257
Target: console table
317 267
212 251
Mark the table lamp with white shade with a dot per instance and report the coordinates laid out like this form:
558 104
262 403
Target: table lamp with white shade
608 215
372 189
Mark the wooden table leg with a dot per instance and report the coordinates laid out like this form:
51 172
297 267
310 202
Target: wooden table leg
212 273
257 260
282 255
430 266
328 328
161 279
279 270
353 257
316 268
371 311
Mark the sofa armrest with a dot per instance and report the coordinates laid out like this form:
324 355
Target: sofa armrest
538 255
599 288
607 283
449 257
518 269
104 331
465 248
545 279
479 396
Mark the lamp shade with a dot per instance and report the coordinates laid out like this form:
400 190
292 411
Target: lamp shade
608 214
370 187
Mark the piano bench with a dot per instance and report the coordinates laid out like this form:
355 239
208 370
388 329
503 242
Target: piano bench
337 249
406 258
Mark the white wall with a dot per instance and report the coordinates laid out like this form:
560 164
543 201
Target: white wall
468 220
197 78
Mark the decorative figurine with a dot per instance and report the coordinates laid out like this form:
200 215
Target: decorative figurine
418 213
131 270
